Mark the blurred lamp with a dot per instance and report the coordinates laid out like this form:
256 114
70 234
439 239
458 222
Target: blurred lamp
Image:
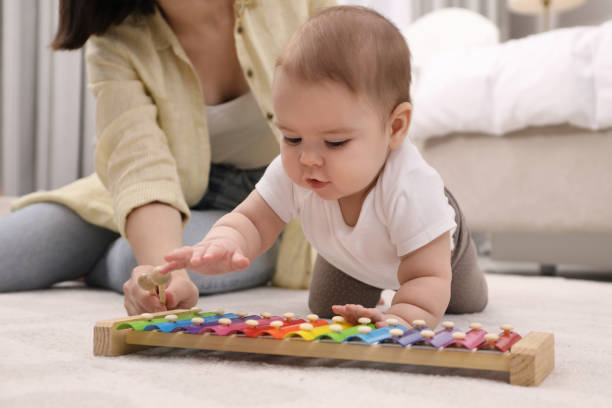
542 7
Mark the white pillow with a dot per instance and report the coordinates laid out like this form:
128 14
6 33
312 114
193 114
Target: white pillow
446 29
562 76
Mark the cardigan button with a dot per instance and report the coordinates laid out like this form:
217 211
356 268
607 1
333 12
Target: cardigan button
270 115
249 73
239 30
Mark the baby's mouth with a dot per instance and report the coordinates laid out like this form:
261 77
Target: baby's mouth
314 183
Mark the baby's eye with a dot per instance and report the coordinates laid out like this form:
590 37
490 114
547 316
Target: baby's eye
292 140
336 144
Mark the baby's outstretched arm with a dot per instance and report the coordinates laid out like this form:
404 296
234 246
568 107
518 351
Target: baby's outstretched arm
424 293
233 242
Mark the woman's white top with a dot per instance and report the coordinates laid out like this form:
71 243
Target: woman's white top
240 135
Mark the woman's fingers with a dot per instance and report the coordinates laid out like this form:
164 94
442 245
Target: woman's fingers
136 299
150 303
181 294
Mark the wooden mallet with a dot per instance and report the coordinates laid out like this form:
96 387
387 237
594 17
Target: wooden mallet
160 280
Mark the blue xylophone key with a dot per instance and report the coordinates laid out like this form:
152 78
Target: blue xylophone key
375 336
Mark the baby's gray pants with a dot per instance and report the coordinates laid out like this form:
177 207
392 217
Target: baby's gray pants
469 293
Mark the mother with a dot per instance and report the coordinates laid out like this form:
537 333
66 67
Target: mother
184 125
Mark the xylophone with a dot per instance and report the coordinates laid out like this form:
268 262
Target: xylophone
528 360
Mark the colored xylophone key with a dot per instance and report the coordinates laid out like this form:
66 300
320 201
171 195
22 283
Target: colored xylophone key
375 336
183 319
309 331
337 330
410 337
444 336
239 325
470 340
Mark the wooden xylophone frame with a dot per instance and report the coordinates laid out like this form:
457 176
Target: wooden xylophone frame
528 362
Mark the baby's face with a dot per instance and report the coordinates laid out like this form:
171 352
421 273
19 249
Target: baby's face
334 142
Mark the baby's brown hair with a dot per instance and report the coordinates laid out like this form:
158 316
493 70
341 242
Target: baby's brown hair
355 46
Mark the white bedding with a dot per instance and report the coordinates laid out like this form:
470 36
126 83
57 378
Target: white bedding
562 76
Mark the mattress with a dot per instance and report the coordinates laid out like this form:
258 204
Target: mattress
552 180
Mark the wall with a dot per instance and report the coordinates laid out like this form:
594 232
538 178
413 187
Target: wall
46 128
591 12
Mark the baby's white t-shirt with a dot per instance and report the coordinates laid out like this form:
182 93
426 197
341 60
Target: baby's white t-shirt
404 211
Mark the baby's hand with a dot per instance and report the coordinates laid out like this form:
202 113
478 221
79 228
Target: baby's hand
352 313
209 257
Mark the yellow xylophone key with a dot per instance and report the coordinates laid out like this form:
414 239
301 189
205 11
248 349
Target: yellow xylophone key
312 332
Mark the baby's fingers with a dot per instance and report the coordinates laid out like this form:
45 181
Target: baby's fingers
197 258
214 252
239 261
339 309
171 266
182 254
350 312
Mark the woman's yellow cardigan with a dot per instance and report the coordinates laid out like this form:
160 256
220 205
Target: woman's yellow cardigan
153 142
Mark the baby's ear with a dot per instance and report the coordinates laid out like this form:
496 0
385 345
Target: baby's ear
399 123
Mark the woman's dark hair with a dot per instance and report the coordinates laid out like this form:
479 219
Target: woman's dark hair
80 19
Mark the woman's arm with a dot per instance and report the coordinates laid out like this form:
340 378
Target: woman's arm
136 165
152 230
133 158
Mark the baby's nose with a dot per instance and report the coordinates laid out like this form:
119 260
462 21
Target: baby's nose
311 158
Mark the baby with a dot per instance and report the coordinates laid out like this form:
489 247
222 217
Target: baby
376 212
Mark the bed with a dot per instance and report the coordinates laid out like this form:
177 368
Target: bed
521 132
543 193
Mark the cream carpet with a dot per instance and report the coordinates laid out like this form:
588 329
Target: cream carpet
47 356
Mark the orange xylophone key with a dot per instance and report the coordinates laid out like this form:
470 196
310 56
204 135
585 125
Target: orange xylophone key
270 329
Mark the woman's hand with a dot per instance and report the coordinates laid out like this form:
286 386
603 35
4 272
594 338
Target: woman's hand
181 293
209 257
